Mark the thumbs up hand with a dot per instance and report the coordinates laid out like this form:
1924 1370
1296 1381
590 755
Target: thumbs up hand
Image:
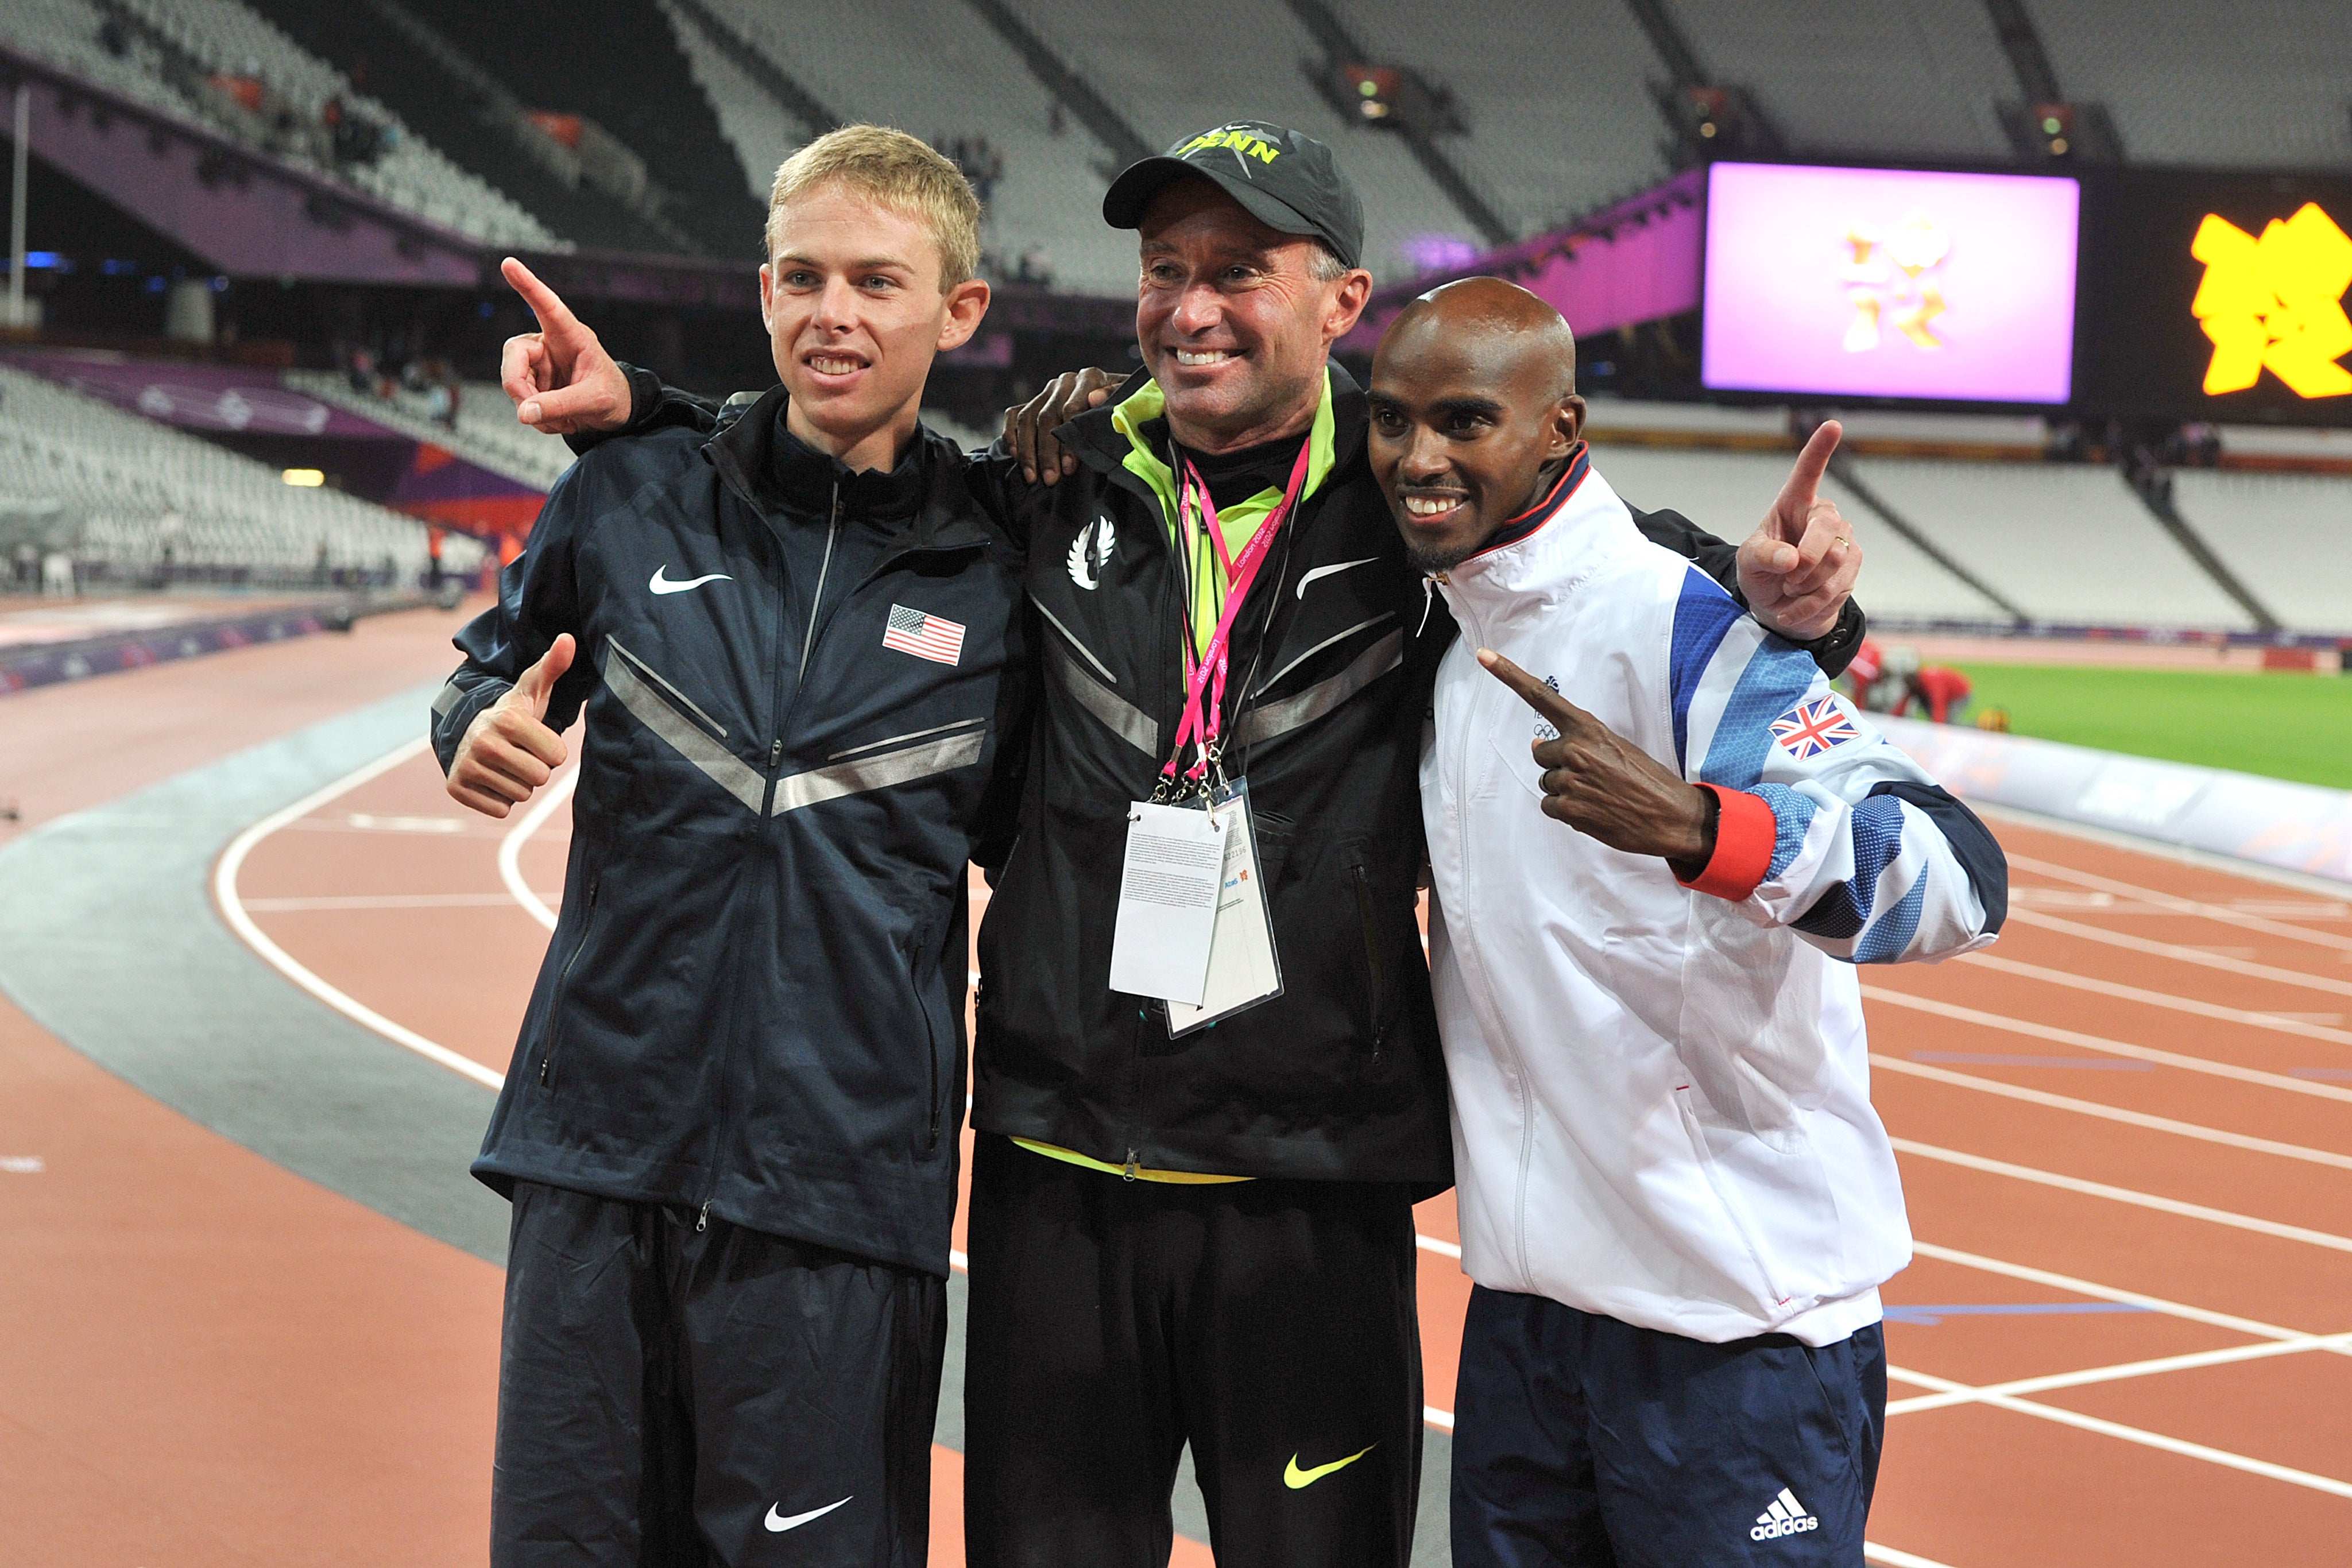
509 751
1798 569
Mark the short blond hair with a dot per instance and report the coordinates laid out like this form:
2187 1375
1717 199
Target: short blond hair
899 172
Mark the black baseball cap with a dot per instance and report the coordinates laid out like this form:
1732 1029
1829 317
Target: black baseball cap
1287 181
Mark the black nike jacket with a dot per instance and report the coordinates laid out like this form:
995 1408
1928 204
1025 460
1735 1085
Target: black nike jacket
754 1002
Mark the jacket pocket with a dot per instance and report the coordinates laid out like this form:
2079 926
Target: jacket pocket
564 984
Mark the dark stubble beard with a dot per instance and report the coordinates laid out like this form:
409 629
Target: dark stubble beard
1431 561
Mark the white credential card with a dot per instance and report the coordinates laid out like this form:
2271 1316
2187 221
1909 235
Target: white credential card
1244 970
1167 902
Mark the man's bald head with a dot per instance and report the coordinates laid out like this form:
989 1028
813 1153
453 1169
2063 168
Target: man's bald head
1474 414
1513 327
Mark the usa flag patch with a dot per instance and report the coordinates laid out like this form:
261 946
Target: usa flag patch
1810 729
925 636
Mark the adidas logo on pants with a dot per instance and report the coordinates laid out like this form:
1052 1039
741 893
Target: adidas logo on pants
1787 1516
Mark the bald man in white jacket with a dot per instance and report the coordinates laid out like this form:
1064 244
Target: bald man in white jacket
1677 1201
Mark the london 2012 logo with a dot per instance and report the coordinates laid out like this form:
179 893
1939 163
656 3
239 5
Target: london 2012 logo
2275 302
1891 279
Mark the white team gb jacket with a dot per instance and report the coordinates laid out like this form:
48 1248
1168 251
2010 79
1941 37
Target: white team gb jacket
1662 1095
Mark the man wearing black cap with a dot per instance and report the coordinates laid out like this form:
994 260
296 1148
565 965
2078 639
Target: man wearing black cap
1206 1236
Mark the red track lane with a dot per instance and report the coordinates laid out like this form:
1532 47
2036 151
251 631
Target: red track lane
1969 1485
212 1362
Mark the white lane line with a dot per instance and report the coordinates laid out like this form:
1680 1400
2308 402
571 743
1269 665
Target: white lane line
233 910
551 799
2180 955
2121 1371
2112 1112
378 901
2092 1288
1874 1552
2326 1239
2179 905
2280 1023
2140 1435
2111 1047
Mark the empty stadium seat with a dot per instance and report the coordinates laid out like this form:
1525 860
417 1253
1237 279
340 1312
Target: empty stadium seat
120 474
1561 122
1171 71
2069 544
2275 97
1727 493
857 60
227 37
2287 537
1909 78
487 432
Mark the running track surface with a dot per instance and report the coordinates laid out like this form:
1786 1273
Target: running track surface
2126 1134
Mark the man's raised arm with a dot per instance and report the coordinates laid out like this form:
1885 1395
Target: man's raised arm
563 383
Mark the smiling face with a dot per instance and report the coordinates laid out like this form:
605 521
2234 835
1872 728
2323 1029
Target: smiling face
855 313
1233 320
1473 412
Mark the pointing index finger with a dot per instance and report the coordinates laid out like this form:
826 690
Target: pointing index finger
1805 479
552 313
1553 706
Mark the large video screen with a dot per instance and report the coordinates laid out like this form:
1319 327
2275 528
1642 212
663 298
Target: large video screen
2218 297
1889 283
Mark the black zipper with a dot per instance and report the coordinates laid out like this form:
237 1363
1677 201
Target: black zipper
931 1040
1372 957
563 983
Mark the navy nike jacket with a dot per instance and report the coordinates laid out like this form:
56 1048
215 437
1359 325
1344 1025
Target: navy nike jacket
754 1004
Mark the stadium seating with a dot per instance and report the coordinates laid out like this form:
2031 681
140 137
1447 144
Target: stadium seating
1175 70
2288 537
1727 493
2275 97
1912 78
223 36
1560 123
121 474
487 432
2066 543
858 58
762 132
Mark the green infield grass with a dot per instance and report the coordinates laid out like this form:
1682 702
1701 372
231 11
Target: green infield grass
2285 725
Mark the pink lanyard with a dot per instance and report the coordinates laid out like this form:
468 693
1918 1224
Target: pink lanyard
1204 679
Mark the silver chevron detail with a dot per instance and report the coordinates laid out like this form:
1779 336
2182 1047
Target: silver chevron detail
723 766
675 695
942 756
1127 721
1265 723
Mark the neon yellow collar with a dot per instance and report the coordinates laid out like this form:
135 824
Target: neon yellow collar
1237 523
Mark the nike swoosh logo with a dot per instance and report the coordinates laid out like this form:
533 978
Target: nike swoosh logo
1293 1478
1329 571
661 584
779 1524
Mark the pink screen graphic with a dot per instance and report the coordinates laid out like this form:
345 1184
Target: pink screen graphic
1889 283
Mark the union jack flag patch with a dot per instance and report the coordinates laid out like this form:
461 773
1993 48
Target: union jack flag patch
1810 729
925 636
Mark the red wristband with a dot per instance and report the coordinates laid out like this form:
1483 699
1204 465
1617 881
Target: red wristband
1745 833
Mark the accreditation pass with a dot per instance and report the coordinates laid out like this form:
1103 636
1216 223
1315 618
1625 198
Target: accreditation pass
1243 968
1167 902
